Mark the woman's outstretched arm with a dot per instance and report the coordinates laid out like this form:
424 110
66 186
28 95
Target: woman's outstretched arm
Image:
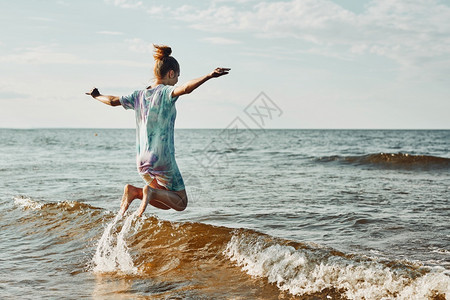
195 83
107 99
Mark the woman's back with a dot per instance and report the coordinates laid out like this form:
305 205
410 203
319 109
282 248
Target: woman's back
155 119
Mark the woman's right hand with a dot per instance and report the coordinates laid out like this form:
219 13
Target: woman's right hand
94 92
219 72
191 85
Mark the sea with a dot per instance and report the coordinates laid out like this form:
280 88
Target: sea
272 214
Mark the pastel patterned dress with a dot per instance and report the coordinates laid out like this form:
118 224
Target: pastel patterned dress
155 119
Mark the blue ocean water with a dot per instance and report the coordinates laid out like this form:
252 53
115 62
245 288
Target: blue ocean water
337 213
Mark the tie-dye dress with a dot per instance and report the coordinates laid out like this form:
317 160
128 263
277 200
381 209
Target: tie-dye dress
155 119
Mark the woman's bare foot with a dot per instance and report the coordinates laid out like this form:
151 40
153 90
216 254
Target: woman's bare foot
129 194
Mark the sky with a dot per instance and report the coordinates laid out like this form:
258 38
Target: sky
354 64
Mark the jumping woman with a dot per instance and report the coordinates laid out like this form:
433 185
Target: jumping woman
155 118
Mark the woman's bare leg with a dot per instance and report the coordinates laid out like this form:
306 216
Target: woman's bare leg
155 195
130 193
162 199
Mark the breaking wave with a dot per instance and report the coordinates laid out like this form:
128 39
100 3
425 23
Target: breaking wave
304 271
393 161
188 259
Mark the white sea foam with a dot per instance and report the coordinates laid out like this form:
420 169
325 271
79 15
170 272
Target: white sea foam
112 252
27 203
306 271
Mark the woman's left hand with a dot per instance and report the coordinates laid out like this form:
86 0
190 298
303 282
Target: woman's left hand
94 92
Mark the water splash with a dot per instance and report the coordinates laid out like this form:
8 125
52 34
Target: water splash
112 252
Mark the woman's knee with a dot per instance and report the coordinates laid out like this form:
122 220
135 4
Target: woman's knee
127 188
183 203
132 191
148 190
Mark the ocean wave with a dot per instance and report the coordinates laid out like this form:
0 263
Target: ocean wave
185 259
32 204
303 271
392 160
27 203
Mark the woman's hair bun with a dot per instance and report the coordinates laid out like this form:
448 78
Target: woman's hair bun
164 62
161 51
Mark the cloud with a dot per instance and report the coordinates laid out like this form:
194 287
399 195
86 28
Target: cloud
5 95
139 46
157 10
63 3
105 32
413 33
235 1
126 3
298 18
48 54
212 19
40 55
408 32
41 19
220 40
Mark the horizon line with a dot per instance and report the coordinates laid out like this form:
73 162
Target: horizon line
221 128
